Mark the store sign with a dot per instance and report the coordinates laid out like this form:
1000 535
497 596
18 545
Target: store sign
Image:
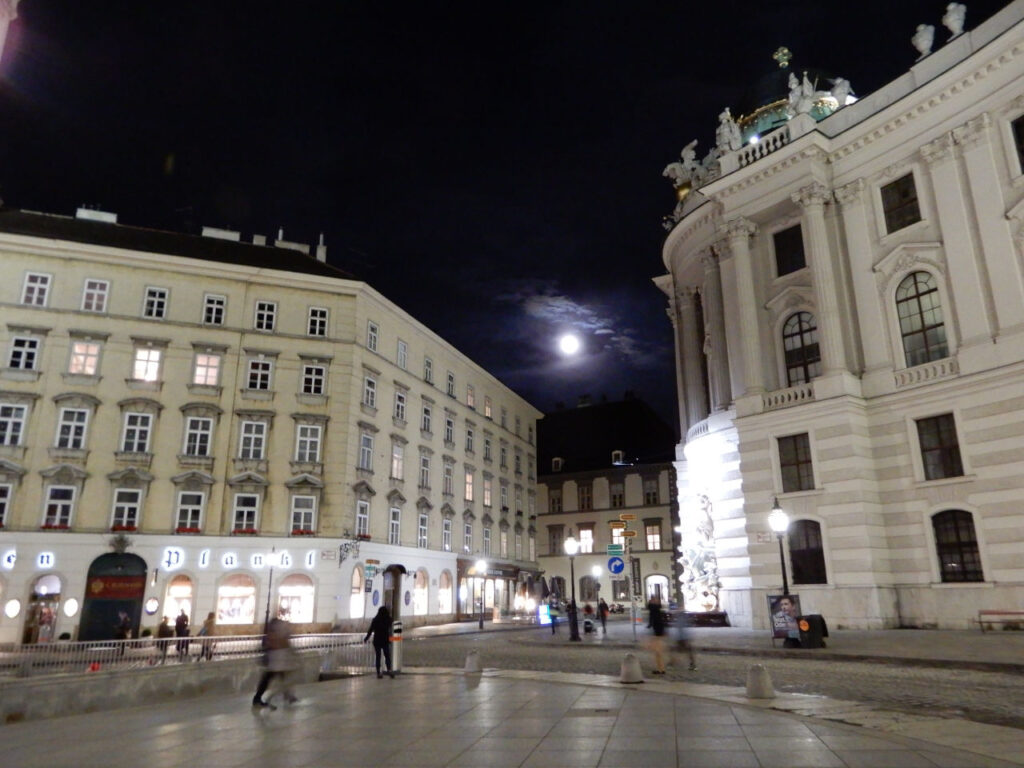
311 558
45 560
10 558
173 558
116 587
204 558
229 560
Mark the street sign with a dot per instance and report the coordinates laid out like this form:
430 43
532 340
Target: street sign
629 534
370 572
616 525
627 516
616 564
615 549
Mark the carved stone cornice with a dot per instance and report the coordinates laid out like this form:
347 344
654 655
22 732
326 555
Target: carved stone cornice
850 194
738 228
974 131
939 150
709 259
814 193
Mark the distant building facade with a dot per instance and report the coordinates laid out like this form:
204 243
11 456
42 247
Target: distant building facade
200 424
599 462
846 284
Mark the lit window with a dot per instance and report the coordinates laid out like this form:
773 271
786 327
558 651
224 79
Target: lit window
71 429
36 290
206 372
12 423
85 358
919 309
487 491
246 508
147 364
303 513
956 545
137 428
795 463
372 335
317 322
155 304
94 296
307 443
469 486
940 448
652 532
503 543
800 342
213 309
127 502
586 539
252 440
24 353
266 316
470 396
617 537
899 203
314 379
488 410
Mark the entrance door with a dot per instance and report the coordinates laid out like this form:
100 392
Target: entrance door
116 584
43 609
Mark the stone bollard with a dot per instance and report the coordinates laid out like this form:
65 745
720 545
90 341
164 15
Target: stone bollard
630 670
759 683
473 662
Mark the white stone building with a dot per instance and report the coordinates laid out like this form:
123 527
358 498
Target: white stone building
846 284
228 406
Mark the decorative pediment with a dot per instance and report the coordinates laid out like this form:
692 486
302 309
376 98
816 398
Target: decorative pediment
64 473
905 257
468 516
193 480
142 404
532 529
791 298
305 480
447 511
519 528
248 478
487 520
311 418
504 525
10 470
395 497
423 503
363 488
208 410
255 414
77 398
132 476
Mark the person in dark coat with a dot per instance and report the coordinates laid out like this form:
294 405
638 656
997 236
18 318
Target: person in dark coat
380 628
164 633
656 624
181 632
602 611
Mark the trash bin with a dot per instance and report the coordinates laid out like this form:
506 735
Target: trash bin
813 630
396 646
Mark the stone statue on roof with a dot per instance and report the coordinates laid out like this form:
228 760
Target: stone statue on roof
727 135
954 18
923 39
683 172
841 90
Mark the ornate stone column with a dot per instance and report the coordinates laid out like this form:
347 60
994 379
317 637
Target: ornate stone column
673 315
738 232
870 316
812 199
1004 271
715 347
965 271
693 379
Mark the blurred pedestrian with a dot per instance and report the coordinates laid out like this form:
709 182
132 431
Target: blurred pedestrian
684 639
164 633
123 630
602 611
206 632
380 628
278 662
553 611
181 632
656 623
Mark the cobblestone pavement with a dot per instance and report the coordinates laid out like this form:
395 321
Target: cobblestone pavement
981 696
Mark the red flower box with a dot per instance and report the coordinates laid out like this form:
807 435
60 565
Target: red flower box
123 528
245 531
55 526
363 536
186 529
302 532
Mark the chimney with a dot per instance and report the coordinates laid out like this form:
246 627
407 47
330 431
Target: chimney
321 250
95 214
222 234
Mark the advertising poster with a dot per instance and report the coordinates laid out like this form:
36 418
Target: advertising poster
783 610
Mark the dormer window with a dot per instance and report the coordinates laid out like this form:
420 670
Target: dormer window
618 458
556 464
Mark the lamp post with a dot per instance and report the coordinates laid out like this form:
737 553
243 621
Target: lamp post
571 548
272 561
481 573
778 521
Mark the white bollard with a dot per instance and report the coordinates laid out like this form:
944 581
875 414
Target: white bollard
759 683
473 662
630 670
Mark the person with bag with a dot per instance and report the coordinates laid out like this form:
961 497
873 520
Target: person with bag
380 628
279 661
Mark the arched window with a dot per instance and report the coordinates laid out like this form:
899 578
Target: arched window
419 594
444 593
800 342
957 546
236 600
588 589
356 601
295 599
920 312
179 597
806 553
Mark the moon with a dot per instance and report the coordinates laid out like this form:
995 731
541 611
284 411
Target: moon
569 344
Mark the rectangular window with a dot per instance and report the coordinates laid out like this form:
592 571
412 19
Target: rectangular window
36 290
470 396
451 384
198 434
617 537
190 511
789 250
85 358
504 418
469 486
71 429
618 495
449 430
314 379
899 203
372 335
316 324
155 303
650 491
266 315
446 535
503 544
586 539
795 463
307 443
467 537
425 472
652 533
487 491
370 392
397 461
487 449
519 424
503 453
402 355
503 496
448 479
94 295
519 546
940 449
5 503
252 440
366 452
395 527
60 500
488 411
529 434
518 463
428 370
533 549
469 440
425 421
137 428
12 423
206 372
487 542
303 513
146 366
246 508
421 531
214 308
259 374
24 353
400 406
363 518
519 500
127 502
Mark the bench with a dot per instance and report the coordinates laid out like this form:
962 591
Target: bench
991 617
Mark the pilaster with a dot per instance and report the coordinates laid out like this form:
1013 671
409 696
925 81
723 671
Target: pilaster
738 231
715 344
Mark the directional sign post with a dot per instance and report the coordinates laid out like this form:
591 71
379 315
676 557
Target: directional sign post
616 565
616 550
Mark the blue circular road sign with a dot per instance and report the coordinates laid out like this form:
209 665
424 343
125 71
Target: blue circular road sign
616 564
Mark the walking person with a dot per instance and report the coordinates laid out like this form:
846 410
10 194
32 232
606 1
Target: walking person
380 628
164 633
181 632
206 632
656 623
602 611
684 640
278 662
553 611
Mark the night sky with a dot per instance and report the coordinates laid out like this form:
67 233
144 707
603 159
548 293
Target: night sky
494 169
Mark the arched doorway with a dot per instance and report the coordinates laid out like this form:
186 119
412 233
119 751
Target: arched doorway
43 610
116 584
420 594
179 598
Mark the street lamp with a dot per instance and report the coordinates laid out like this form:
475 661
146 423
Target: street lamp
481 573
272 560
778 521
571 548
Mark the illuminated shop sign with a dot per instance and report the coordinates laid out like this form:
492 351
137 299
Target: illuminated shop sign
173 559
45 560
10 558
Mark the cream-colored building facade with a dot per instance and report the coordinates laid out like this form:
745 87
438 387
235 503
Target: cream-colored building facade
849 274
270 434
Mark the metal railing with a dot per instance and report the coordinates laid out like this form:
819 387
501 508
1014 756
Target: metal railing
344 652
